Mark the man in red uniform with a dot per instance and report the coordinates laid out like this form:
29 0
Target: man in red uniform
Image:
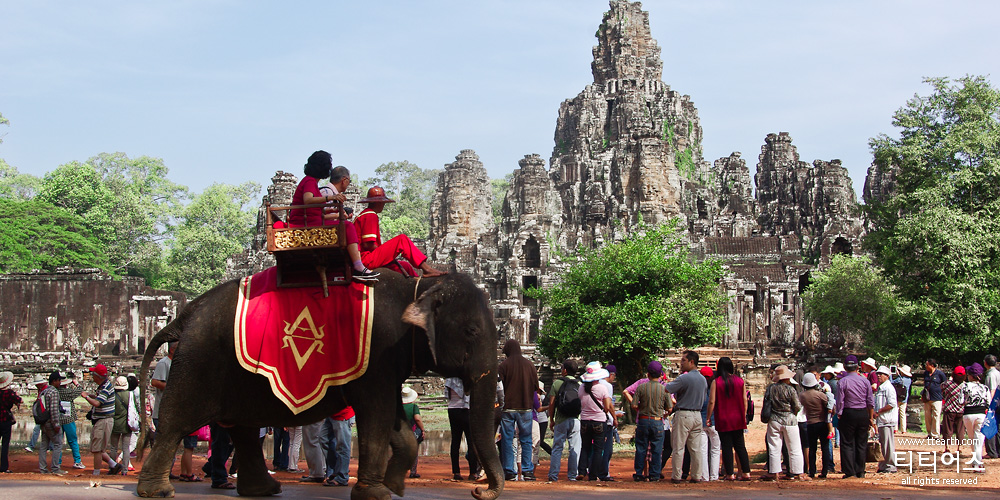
374 253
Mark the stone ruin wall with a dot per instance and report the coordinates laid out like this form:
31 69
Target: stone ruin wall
75 315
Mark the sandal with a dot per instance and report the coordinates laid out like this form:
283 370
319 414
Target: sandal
769 477
190 478
224 486
744 478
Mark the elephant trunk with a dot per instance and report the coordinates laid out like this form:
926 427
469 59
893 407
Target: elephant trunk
481 406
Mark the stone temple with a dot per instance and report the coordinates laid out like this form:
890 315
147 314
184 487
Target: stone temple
628 151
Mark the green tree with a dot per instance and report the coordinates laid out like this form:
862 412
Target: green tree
129 204
412 187
499 187
852 297
217 223
15 185
38 235
3 121
936 235
629 300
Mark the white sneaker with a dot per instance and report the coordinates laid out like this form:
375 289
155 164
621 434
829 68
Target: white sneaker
79 465
271 472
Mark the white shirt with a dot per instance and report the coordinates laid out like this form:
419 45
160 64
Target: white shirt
886 395
458 399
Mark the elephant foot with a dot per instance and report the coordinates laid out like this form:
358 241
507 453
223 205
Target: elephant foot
394 482
257 486
362 491
152 488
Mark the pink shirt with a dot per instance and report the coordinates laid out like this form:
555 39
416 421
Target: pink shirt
589 410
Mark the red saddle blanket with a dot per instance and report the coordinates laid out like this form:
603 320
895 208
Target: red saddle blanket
301 341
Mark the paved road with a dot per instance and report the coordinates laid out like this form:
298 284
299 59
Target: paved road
38 490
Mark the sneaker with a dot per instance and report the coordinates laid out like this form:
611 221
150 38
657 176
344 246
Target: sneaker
116 469
79 465
367 276
457 477
29 449
59 472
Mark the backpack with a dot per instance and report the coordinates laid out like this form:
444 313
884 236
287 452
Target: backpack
568 398
39 412
749 408
900 391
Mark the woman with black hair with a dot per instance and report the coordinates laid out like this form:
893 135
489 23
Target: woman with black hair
727 402
319 166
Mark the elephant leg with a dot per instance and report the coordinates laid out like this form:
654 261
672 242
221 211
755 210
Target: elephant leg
254 480
373 446
404 451
154 479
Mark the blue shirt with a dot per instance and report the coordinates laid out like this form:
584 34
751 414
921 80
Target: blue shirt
106 395
932 382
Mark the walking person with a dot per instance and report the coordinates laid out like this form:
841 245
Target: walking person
314 438
51 436
992 381
611 430
729 408
687 428
411 412
458 422
904 379
886 415
40 385
815 404
975 396
595 403
103 402
710 444
953 409
563 412
281 440
856 408
69 390
120 431
8 400
783 428
649 403
542 417
519 379
338 455
294 448
932 398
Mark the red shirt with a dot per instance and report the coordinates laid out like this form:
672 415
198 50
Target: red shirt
344 414
367 224
305 216
729 415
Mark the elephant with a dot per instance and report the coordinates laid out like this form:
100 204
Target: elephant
442 324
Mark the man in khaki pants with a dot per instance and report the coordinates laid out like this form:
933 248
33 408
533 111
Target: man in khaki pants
932 398
691 389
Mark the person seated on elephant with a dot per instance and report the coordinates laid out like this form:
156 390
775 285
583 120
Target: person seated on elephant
320 166
375 254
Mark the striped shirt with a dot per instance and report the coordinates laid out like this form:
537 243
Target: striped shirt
951 397
106 396
651 398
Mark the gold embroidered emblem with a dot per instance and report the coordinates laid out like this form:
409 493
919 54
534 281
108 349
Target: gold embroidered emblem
311 333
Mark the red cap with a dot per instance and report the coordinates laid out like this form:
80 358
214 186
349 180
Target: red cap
959 370
100 370
706 371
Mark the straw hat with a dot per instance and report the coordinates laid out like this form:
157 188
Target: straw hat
409 395
870 362
905 371
5 379
884 370
38 380
782 373
121 383
839 367
829 369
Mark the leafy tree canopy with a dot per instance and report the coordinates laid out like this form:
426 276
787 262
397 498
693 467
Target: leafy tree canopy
851 296
15 185
216 224
629 300
128 204
412 187
936 236
38 235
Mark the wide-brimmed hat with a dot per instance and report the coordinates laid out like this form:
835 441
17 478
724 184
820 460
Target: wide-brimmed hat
884 370
409 395
829 369
870 362
6 378
594 372
839 367
905 371
39 379
782 373
121 383
376 195
809 380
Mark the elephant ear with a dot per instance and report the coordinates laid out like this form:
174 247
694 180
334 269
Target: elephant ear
420 313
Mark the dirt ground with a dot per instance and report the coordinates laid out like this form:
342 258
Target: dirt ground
435 471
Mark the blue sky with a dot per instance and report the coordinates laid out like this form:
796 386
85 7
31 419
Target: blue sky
232 91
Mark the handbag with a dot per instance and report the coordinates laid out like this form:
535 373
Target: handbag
90 415
749 408
133 414
874 449
765 407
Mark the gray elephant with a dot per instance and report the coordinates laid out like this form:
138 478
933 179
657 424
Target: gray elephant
442 324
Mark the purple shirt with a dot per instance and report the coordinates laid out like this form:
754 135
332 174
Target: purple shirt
635 385
854 392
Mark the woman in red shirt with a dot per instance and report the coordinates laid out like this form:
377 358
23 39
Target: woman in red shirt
727 399
318 167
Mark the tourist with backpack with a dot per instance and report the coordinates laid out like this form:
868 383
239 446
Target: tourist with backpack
902 382
564 413
46 414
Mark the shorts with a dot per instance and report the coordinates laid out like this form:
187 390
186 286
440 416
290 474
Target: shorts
100 436
190 442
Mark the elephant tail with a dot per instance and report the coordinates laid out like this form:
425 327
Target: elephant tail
169 333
